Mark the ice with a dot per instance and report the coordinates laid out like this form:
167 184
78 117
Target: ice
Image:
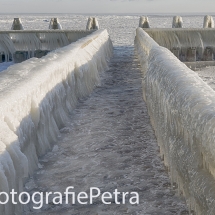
144 22
183 39
17 24
177 22
36 97
208 22
55 24
181 108
92 24
22 45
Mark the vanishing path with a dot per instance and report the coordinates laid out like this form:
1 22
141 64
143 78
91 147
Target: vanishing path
110 144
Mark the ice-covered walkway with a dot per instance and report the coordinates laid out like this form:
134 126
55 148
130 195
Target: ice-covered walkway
110 144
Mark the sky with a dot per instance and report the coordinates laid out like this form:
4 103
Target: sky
108 6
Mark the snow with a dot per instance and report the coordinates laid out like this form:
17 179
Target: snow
36 97
181 108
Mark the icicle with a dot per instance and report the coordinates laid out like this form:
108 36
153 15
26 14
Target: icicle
53 40
177 22
17 24
144 22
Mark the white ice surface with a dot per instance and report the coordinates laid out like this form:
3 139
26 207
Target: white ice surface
182 108
36 97
122 34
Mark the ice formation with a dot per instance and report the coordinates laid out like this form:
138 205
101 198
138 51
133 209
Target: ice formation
36 97
55 24
182 109
208 22
177 22
92 24
27 44
144 22
17 24
183 39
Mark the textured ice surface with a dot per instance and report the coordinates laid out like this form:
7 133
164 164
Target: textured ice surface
159 199
208 22
110 144
208 75
181 108
177 22
36 97
144 22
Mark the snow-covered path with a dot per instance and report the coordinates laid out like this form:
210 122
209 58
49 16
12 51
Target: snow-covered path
110 144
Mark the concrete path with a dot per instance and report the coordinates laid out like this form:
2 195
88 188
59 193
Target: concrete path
110 144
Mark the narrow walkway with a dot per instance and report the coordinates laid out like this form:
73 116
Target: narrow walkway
110 145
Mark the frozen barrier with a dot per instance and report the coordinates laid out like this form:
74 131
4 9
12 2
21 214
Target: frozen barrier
181 41
36 98
182 111
55 24
208 22
36 43
144 22
17 24
177 22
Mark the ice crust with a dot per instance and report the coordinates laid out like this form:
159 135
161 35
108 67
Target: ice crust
182 109
36 98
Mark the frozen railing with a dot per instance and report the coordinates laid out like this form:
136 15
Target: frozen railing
182 111
36 43
36 97
186 44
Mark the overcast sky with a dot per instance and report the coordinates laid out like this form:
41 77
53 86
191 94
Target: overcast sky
107 6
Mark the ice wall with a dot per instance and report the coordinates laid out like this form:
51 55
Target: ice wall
36 98
182 110
183 39
208 22
17 24
29 43
144 22
177 22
